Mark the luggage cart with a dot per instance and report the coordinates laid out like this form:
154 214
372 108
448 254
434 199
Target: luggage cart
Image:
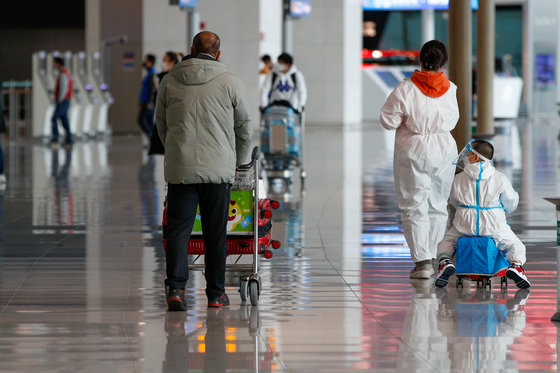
282 139
244 238
478 259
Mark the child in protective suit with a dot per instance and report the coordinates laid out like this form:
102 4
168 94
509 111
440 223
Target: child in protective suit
482 197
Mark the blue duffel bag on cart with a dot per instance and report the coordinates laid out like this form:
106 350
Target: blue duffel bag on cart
479 256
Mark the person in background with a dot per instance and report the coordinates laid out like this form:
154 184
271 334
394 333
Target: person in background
423 110
170 59
2 130
285 85
201 117
148 96
268 65
62 97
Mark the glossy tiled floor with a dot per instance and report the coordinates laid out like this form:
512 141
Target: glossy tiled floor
81 271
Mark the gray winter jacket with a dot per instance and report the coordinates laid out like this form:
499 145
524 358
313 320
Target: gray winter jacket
202 121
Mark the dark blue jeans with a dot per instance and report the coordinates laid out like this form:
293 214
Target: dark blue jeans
181 213
1 158
146 120
61 112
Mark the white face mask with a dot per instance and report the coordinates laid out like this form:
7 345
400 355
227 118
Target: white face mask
281 66
163 67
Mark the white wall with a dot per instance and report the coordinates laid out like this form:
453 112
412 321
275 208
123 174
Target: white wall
327 50
237 24
271 27
164 28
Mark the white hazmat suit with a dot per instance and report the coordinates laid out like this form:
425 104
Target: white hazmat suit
424 151
482 197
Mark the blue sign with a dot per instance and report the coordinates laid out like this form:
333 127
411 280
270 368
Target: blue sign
300 8
188 3
409 4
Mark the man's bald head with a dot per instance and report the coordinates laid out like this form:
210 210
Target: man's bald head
206 42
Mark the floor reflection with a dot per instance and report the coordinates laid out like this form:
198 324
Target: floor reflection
82 270
225 340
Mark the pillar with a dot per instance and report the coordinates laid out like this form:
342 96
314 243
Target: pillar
327 49
460 65
141 21
238 26
428 25
93 32
485 66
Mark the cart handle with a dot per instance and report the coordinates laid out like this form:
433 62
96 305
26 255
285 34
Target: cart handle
254 157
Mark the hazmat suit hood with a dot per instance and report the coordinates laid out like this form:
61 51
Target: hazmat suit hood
197 71
480 170
430 83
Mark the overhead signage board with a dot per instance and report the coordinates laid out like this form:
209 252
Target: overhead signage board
409 4
300 8
188 3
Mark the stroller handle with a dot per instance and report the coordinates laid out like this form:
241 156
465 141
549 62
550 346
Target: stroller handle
254 157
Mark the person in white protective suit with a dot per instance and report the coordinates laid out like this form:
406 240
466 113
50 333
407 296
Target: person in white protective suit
423 110
482 197
285 85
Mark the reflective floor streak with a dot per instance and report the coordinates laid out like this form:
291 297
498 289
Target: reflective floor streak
82 270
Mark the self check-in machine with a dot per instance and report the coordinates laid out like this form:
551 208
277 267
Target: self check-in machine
102 94
43 100
85 92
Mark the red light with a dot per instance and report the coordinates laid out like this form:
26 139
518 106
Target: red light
275 244
376 54
268 254
268 214
274 204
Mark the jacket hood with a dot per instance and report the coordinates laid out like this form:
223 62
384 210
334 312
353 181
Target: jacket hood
480 170
431 84
197 71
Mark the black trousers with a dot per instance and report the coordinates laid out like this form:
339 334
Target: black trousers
181 214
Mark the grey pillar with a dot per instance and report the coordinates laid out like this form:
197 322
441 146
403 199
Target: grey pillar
485 64
287 29
460 65
428 25
193 26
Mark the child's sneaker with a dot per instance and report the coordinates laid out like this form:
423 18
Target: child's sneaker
516 273
517 303
446 270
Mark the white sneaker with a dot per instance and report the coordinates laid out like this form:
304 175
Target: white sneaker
423 270
3 179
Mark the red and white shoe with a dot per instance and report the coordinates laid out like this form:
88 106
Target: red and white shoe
446 270
516 273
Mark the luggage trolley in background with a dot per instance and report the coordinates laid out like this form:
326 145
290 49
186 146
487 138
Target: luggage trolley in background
243 236
282 139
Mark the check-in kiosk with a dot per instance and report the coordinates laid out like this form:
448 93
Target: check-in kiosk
43 100
85 92
102 94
